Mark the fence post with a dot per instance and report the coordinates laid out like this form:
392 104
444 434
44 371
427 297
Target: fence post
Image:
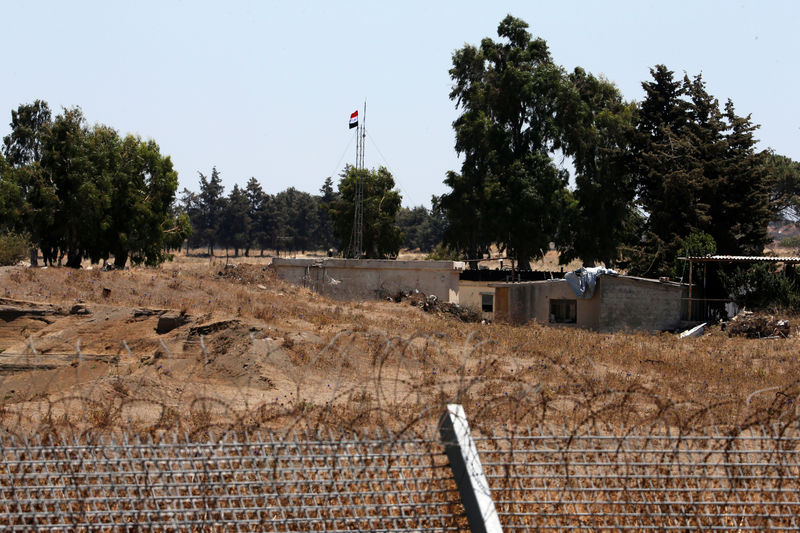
467 471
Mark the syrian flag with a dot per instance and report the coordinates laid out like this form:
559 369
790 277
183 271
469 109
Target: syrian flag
354 120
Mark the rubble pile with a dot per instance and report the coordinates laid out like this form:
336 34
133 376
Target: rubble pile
247 274
757 326
432 304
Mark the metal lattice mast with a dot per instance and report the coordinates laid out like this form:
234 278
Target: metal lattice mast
357 239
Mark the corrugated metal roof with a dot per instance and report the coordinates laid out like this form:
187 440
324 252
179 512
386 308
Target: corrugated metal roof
741 259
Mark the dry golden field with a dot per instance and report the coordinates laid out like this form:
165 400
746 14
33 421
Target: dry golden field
80 351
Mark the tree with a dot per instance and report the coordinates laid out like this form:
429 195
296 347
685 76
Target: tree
325 201
142 197
28 193
382 237
77 167
210 202
698 172
597 131
256 207
783 176
423 230
509 191
234 225
298 216
743 212
83 191
29 123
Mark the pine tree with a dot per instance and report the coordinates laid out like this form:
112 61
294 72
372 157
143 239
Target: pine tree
210 202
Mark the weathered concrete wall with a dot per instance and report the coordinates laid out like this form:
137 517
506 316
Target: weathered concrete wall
470 294
527 301
638 304
618 303
369 279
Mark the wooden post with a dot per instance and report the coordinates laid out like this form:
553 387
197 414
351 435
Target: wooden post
467 471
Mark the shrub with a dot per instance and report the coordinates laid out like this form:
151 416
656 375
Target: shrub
761 287
790 242
443 253
13 248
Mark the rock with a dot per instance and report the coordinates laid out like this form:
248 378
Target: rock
170 321
79 309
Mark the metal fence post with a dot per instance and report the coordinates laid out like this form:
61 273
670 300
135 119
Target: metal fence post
467 471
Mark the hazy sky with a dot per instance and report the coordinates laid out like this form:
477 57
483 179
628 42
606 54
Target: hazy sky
265 89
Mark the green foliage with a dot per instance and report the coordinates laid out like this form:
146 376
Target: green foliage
443 253
179 230
697 244
422 227
83 191
206 210
698 171
760 287
597 131
382 237
298 213
325 234
791 242
509 191
29 123
783 176
13 248
235 220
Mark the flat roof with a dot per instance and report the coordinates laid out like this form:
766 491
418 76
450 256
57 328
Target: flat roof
741 259
661 282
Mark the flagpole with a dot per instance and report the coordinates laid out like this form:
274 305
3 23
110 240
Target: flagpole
357 240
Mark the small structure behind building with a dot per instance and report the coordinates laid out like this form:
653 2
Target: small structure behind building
370 279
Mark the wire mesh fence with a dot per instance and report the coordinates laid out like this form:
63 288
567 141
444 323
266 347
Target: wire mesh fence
543 479
556 480
259 483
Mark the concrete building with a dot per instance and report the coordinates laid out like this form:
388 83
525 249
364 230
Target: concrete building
618 303
477 295
370 279
476 287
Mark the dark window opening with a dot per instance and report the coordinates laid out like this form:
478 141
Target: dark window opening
564 311
487 303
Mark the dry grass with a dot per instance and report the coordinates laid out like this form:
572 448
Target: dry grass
259 354
284 356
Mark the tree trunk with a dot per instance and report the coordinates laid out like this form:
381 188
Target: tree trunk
120 260
74 258
34 256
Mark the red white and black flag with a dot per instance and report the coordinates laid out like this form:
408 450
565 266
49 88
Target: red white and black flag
354 119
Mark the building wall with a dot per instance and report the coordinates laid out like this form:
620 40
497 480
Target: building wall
519 303
367 279
618 303
637 304
470 294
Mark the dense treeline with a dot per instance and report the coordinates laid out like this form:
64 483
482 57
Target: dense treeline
651 179
81 192
249 219
677 173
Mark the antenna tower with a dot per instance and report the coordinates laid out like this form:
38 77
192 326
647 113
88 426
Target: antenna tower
357 239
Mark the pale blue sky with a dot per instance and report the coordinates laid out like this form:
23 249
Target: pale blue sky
265 89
